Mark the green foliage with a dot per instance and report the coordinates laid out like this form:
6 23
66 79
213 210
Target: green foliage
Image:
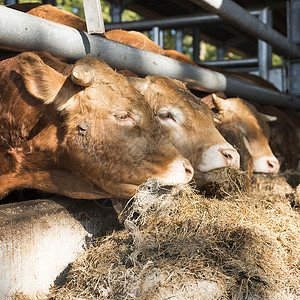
276 60
188 45
74 6
130 16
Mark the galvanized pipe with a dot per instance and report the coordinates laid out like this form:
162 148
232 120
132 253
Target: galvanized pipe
235 14
19 31
232 63
264 49
170 22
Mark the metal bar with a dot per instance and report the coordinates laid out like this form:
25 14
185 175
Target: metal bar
156 35
115 12
171 22
10 2
19 31
264 49
178 41
235 14
196 43
220 53
234 63
93 16
293 8
161 38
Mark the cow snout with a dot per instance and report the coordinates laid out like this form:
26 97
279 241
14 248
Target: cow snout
179 171
266 164
231 157
219 156
189 170
273 166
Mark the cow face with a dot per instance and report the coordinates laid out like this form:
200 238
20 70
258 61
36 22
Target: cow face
189 124
254 128
111 136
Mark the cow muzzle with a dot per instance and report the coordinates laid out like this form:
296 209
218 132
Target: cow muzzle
266 164
219 156
179 171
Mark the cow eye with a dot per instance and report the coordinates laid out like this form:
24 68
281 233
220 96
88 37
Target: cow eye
166 116
124 117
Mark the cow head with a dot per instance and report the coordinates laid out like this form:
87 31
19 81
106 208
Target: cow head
254 128
188 124
110 135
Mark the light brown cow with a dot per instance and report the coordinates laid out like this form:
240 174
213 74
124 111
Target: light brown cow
189 124
254 128
284 135
86 135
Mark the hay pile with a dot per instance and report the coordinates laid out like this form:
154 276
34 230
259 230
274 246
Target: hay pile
178 244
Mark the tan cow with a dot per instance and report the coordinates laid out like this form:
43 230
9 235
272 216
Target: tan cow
189 124
284 135
86 135
254 128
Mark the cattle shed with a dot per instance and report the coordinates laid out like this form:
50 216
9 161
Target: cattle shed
254 31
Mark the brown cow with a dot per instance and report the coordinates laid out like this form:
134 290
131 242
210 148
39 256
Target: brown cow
189 124
86 135
284 135
254 128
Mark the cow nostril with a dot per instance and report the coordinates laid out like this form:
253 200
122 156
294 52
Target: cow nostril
188 170
273 165
227 155
232 157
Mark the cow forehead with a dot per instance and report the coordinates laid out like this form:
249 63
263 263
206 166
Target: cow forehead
110 89
248 117
173 92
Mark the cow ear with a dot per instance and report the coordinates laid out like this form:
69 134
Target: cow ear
141 84
41 81
268 118
220 103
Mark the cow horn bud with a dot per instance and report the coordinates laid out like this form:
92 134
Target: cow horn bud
83 75
220 103
268 118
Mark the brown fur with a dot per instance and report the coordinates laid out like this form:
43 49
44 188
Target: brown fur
57 15
243 116
60 137
284 140
197 132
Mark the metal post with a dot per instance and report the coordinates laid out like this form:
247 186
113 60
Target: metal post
115 12
179 40
239 17
155 35
161 38
294 35
264 49
196 44
93 16
20 32
220 53
172 22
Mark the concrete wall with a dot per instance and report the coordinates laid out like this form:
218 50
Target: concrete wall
40 238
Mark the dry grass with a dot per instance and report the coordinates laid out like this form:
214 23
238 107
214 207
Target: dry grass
178 244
